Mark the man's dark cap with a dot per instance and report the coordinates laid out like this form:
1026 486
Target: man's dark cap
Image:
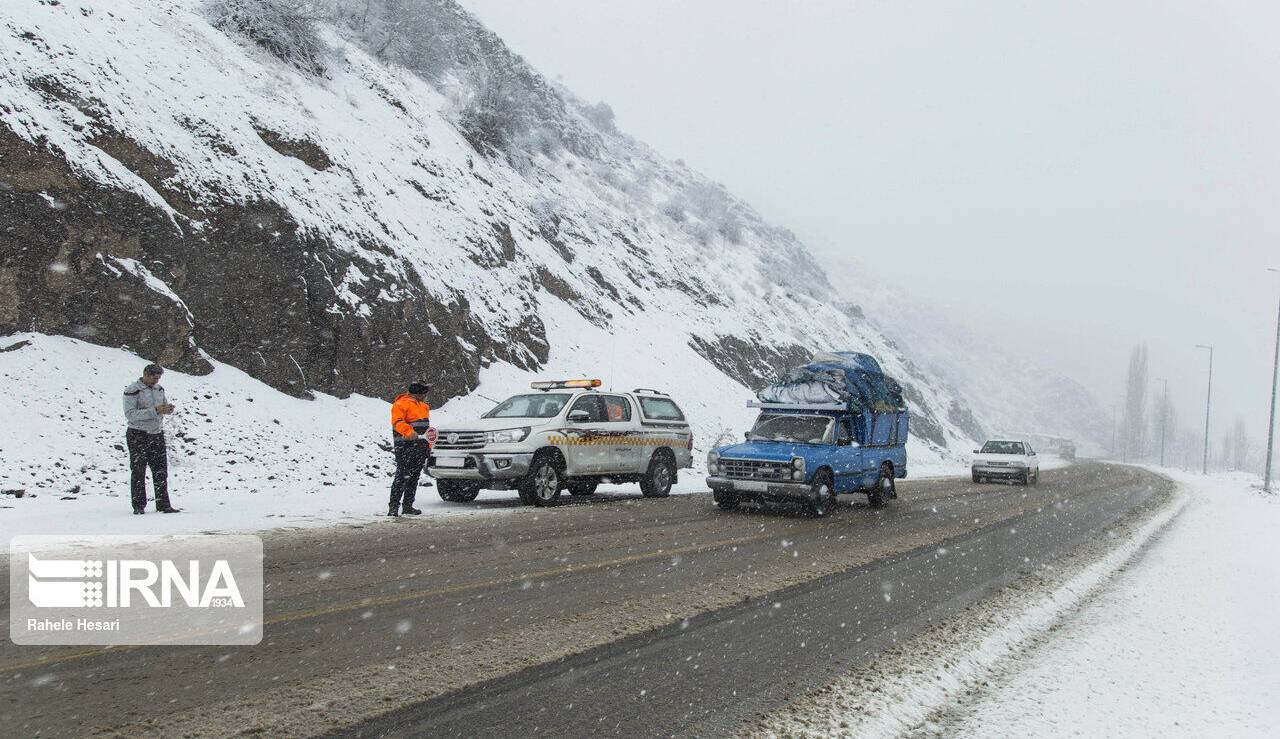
419 388
153 369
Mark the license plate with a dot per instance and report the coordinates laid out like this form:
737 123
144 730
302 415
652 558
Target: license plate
754 487
451 461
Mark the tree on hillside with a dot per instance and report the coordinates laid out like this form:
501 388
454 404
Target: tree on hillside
1135 404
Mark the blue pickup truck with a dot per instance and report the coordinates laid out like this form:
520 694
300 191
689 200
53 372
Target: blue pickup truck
836 425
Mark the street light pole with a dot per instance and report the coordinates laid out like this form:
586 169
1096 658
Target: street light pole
1164 415
1271 424
1115 432
1208 399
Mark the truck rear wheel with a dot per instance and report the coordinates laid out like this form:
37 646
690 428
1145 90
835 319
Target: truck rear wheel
457 491
583 488
657 482
884 489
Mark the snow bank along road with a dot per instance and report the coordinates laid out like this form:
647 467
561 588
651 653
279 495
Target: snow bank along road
622 616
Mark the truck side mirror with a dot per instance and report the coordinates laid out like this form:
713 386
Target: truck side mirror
579 416
977 451
746 435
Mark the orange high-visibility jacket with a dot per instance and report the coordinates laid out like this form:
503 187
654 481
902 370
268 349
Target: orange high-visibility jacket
404 411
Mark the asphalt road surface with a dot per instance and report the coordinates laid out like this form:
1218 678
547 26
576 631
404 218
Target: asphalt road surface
610 615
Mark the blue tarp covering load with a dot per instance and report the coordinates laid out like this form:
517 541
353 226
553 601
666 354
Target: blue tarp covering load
839 377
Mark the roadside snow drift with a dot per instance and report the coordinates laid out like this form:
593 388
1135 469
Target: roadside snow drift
1183 643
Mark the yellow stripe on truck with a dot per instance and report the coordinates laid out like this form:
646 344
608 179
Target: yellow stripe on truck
607 440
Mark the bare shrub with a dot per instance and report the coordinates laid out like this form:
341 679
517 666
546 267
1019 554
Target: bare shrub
491 108
289 29
601 116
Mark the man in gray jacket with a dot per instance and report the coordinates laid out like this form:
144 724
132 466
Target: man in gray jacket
145 407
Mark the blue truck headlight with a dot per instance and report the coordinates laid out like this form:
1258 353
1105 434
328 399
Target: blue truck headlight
797 468
507 436
713 463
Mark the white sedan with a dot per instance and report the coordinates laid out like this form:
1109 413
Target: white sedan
1000 459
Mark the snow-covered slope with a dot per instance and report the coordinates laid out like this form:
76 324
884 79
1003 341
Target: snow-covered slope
181 193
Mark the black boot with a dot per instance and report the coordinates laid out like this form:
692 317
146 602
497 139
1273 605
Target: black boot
139 511
394 511
169 509
411 511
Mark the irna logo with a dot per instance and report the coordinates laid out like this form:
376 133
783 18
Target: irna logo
122 583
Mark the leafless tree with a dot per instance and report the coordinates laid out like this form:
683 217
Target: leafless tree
1135 405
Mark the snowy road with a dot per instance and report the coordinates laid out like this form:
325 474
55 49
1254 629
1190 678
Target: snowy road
619 615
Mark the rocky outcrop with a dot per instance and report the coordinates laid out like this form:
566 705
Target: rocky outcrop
244 285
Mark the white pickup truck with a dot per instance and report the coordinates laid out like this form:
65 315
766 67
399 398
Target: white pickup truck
1000 459
567 435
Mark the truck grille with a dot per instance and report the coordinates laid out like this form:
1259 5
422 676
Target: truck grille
460 440
749 469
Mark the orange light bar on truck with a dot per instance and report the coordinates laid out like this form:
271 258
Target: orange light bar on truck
559 384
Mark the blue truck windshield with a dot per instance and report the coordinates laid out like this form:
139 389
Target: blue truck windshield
796 429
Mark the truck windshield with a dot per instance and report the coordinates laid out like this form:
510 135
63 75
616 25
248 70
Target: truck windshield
799 429
535 405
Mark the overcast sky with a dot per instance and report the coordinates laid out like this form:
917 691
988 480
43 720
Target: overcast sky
1076 177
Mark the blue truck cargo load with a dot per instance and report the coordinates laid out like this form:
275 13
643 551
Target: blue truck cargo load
839 377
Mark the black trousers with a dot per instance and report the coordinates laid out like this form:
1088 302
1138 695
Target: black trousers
147 450
411 457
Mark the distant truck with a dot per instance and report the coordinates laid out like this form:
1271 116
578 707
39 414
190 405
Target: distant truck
836 425
567 435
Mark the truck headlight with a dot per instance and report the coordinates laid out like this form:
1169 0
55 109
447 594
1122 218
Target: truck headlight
1019 465
797 468
507 436
713 463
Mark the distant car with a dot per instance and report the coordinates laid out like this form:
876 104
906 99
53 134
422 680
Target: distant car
1002 459
566 435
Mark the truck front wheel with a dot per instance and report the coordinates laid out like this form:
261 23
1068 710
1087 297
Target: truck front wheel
541 487
823 496
457 491
726 500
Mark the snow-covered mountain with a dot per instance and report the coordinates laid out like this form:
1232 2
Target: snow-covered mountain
378 214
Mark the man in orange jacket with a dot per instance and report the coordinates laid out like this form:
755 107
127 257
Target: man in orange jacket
410 419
